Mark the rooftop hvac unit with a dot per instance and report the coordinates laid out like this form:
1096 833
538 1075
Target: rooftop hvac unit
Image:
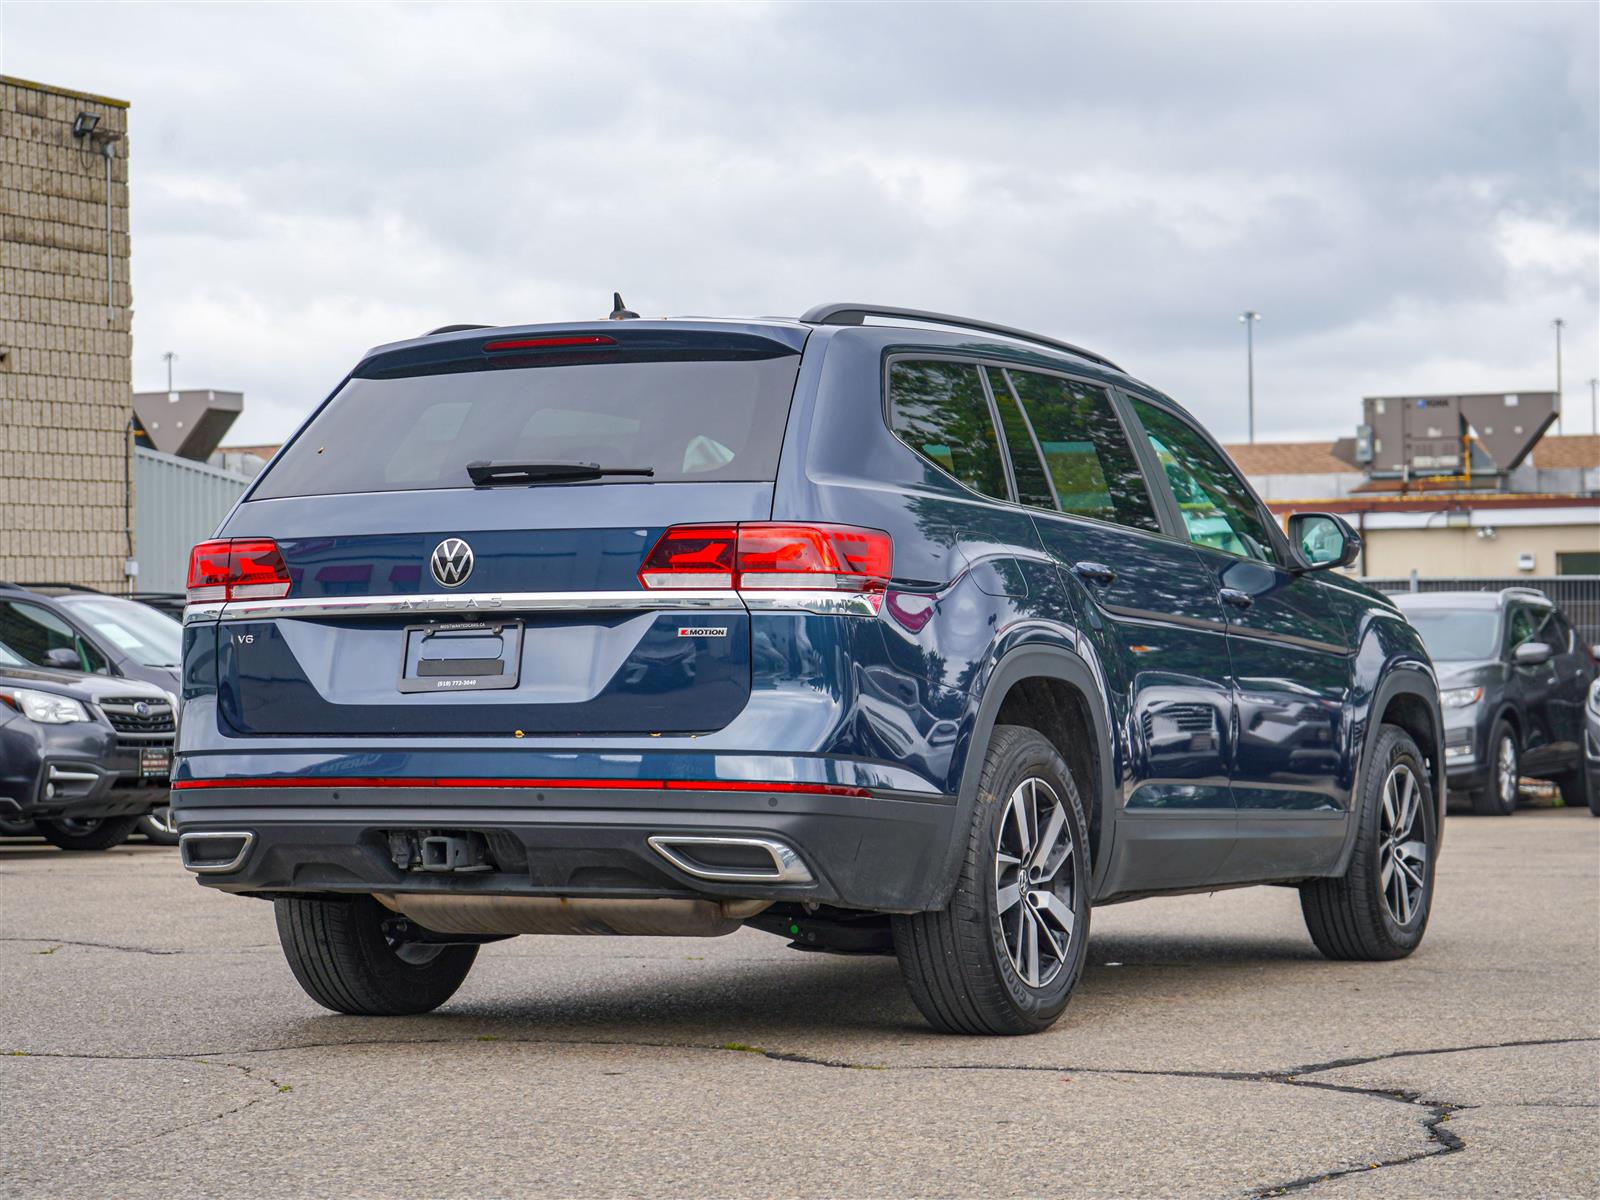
190 424
1417 437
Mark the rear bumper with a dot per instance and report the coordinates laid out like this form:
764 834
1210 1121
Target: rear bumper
879 853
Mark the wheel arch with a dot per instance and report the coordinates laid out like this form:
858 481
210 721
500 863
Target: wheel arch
1054 691
1407 697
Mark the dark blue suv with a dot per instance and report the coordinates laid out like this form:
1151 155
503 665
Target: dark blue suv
880 630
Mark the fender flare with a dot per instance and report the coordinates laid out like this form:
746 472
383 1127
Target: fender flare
1409 680
1026 662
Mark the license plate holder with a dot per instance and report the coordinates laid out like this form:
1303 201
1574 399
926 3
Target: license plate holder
155 760
461 656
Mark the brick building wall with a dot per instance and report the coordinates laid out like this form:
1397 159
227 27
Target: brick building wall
66 375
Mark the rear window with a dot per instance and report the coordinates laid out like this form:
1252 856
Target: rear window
689 421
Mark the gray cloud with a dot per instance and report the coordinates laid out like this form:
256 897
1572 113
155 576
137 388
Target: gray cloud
1408 192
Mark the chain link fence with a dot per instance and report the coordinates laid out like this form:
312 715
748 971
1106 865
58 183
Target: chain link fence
1576 595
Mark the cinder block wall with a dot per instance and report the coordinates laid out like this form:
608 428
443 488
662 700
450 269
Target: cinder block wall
66 376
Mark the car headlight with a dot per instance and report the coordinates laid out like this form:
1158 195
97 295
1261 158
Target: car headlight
45 708
1460 697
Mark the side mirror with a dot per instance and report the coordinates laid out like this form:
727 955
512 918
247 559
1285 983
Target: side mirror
1532 654
1323 540
63 658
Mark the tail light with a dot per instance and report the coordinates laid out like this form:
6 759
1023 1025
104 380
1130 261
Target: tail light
762 554
237 569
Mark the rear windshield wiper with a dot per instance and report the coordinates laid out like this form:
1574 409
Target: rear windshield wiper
501 474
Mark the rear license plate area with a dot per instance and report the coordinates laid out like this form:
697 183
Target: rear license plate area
472 656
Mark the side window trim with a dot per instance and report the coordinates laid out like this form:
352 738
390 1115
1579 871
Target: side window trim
1006 465
1167 511
990 370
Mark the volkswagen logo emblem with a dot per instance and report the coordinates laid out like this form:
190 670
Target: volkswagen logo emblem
452 562
142 708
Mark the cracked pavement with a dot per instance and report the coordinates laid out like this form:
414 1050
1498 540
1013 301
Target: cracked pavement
152 1039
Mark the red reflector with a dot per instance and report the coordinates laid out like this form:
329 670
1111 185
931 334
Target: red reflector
767 554
550 343
683 785
237 569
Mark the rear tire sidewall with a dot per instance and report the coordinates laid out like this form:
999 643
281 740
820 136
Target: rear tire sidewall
1033 757
339 954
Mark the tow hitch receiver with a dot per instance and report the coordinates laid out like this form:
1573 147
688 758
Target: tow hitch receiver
440 851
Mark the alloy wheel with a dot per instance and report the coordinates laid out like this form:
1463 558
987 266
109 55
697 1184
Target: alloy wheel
1507 777
1402 845
1035 882
161 818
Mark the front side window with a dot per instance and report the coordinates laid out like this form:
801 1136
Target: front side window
1519 627
1092 470
1218 509
939 409
36 635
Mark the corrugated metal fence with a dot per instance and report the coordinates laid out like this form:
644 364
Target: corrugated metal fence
1576 595
177 502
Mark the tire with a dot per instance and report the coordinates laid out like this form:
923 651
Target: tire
1492 800
87 833
1578 789
338 952
1358 916
968 967
157 827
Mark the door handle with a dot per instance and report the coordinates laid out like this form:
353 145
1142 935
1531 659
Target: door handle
1234 598
1094 572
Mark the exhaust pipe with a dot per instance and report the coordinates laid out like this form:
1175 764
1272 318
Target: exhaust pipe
563 914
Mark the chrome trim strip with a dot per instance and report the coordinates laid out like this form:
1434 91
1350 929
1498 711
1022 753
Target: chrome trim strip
786 863
820 601
72 776
823 603
216 868
481 602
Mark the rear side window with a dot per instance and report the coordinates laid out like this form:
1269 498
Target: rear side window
1091 467
688 421
939 409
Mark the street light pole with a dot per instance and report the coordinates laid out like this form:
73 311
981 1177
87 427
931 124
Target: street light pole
1250 318
1559 325
1594 406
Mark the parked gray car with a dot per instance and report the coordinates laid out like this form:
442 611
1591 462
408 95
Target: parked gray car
1513 682
82 757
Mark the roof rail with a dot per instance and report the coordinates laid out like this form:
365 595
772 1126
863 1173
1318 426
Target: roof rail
856 314
1524 591
455 329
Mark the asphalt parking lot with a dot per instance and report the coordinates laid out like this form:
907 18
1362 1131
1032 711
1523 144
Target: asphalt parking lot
153 1041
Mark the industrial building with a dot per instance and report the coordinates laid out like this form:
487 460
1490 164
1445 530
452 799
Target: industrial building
66 452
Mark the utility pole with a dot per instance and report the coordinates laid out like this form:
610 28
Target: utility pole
1559 325
1594 407
1250 318
171 358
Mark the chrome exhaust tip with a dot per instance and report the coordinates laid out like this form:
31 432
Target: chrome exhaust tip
214 853
732 859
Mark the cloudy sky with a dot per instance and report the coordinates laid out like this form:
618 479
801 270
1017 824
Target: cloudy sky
1408 193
